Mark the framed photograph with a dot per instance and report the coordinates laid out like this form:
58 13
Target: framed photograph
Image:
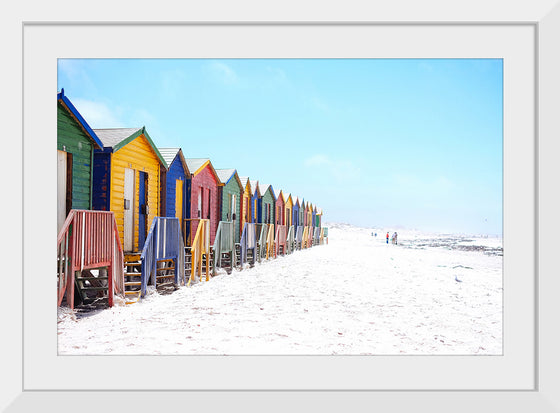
520 379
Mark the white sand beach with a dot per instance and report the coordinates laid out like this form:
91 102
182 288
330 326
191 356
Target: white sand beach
429 294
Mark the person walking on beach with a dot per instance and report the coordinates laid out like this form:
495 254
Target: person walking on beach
395 238
387 237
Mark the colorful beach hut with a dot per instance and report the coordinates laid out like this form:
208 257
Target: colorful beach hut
313 216
309 219
231 194
318 218
205 202
303 213
176 185
268 205
295 213
246 205
126 180
289 208
75 143
280 209
256 216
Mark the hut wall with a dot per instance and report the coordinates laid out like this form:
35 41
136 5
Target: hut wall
206 180
228 190
176 172
139 156
72 139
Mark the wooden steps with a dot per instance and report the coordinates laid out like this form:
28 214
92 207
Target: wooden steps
132 276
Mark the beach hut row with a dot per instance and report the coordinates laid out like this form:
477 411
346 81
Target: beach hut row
131 214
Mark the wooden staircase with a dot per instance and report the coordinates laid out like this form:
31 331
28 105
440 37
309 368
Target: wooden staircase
165 276
237 258
132 277
188 262
92 290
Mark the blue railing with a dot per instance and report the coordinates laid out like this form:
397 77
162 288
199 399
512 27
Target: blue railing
164 242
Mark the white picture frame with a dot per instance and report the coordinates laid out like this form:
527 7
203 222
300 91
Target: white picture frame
32 380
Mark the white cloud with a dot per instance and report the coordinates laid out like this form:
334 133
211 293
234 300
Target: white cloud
340 170
278 75
97 115
73 70
318 104
172 82
317 160
224 73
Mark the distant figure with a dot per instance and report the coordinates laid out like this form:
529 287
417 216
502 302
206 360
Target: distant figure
395 236
387 238
376 235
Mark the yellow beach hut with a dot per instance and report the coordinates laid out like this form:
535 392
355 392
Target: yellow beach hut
126 180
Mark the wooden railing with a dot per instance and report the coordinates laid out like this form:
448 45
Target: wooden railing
290 240
299 237
89 240
248 242
316 236
224 243
324 235
200 248
270 252
280 240
164 241
262 232
305 237
190 227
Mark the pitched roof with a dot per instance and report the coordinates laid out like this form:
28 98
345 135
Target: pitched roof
256 186
169 155
196 165
117 138
81 121
225 174
266 187
112 137
244 180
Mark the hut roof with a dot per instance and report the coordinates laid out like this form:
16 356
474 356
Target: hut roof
266 188
256 187
196 165
81 121
117 138
169 155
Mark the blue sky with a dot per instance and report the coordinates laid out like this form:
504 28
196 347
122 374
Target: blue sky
414 143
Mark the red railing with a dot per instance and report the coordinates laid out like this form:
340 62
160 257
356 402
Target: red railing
88 240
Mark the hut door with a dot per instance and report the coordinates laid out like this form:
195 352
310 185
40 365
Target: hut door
179 200
128 208
142 208
61 189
